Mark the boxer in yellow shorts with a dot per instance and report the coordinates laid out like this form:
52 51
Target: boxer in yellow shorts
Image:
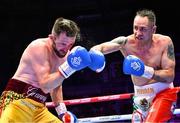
42 69
24 103
25 110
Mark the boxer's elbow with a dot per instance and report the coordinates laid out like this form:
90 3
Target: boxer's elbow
165 76
170 78
48 86
45 88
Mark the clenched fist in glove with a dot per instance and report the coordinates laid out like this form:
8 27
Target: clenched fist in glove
77 59
135 66
64 115
97 60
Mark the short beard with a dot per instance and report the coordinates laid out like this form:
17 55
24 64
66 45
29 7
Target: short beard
57 52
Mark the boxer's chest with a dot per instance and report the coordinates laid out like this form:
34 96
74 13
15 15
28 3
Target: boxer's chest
151 56
55 62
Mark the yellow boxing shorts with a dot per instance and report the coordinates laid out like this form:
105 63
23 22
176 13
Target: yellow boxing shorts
27 111
24 103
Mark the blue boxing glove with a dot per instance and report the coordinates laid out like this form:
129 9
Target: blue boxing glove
135 66
97 60
77 59
64 115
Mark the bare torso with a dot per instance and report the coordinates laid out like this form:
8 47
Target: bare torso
37 56
150 54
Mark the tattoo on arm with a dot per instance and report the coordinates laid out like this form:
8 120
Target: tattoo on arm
159 78
170 52
120 40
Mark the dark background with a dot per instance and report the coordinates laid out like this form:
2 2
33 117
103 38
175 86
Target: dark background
22 21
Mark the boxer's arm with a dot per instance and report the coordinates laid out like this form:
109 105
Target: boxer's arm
40 63
60 107
57 99
57 95
167 73
111 46
38 58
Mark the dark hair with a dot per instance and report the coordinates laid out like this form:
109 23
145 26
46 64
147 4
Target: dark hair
147 13
64 25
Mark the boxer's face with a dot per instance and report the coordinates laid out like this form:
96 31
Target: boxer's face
62 43
143 29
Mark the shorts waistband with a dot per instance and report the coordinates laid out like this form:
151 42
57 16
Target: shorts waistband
27 90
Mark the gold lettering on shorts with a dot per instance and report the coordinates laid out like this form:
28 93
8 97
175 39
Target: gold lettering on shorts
145 91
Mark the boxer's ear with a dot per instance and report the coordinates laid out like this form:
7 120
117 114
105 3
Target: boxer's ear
52 37
154 29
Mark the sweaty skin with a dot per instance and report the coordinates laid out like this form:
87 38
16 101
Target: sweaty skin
39 64
157 53
38 75
155 50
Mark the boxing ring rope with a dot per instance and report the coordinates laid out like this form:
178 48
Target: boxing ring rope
102 99
94 99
